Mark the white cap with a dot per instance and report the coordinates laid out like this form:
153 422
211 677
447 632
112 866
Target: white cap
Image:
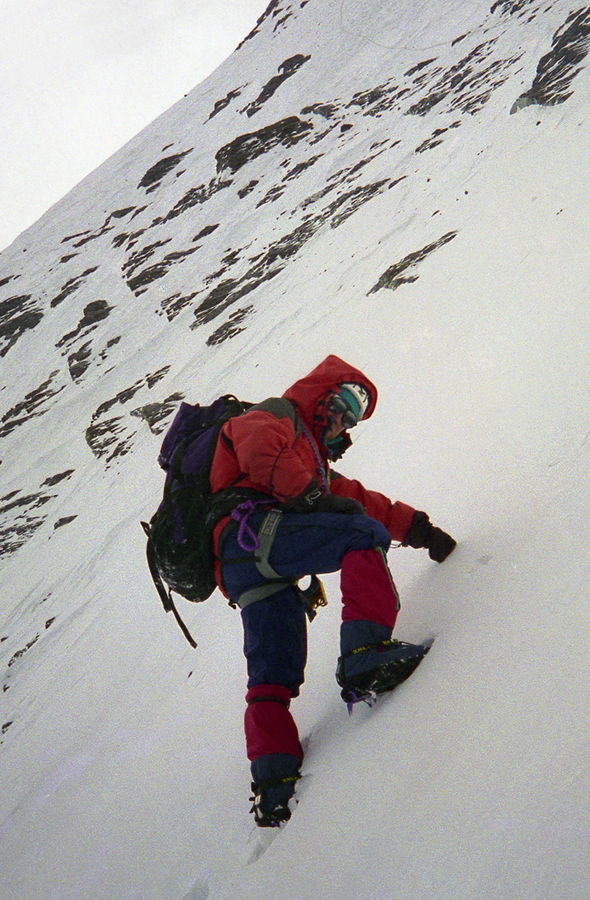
359 393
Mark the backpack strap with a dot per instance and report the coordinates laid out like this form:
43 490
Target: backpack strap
165 595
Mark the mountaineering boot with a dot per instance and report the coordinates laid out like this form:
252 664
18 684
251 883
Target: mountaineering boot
268 815
275 776
371 661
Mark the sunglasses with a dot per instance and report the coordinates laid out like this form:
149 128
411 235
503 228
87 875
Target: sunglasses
338 406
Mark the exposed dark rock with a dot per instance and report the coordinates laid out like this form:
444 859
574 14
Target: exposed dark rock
243 192
395 276
214 276
34 404
110 343
376 100
55 479
327 110
17 315
273 194
273 260
107 438
135 235
121 213
94 312
247 147
155 174
196 196
86 236
19 654
231 258
72 237
139 282
79 361
297 170
512 7
348 175
209 229
80 358
72 285
558 68
110 436
94 235
20 519
467 85
320 135
179 255
286 69
435 138
174 304
273 9
30 501
152 378
346 205
221 104
419 66
230 328
140 257
155 414
127 393
65 520
83 237
228 292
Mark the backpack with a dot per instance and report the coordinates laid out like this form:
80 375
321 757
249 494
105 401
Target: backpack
179 543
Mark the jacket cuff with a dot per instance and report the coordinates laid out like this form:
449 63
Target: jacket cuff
400 520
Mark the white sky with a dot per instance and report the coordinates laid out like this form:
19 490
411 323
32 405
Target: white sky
81 77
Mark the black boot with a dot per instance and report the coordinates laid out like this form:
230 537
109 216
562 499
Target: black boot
372 662
274 785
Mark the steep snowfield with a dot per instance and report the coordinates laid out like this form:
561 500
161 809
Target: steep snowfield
400 216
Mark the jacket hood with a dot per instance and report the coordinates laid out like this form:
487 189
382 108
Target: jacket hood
310 391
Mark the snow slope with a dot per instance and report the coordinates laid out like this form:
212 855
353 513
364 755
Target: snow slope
405 185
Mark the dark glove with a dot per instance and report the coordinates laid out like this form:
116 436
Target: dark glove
312 500
422 533
306 500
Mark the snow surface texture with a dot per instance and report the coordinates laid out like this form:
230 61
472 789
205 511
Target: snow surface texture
351 181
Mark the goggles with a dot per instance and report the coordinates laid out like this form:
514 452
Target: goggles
338 405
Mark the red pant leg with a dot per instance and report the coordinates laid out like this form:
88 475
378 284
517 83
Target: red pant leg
268 724
368 591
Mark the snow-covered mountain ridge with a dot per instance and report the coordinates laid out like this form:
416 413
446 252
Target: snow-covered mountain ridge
405 185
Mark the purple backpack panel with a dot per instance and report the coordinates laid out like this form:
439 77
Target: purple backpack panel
190 427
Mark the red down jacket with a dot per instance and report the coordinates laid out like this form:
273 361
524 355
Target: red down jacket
266 451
